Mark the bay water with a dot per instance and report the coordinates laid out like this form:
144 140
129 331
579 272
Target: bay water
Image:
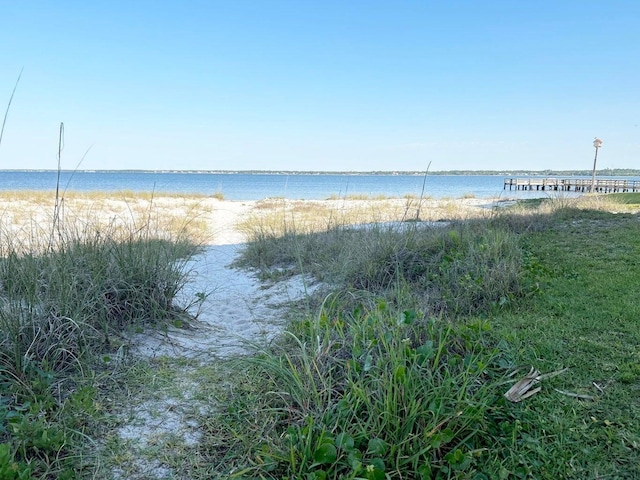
257 186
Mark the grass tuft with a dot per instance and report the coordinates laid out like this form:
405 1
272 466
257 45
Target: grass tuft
70 291
370 393
461 268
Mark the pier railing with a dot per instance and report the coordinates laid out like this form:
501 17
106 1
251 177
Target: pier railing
572 184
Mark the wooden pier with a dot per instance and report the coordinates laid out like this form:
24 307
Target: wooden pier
572 184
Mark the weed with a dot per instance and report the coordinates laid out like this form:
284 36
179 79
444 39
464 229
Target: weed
369 393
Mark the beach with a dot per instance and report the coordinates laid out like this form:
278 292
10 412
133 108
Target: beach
235 308
212 221
169 380
232 307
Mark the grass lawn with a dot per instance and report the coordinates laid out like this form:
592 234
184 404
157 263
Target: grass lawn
586 316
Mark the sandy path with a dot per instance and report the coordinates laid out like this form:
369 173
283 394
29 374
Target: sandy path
237 313
234 310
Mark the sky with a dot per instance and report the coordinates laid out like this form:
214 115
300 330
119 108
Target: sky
346 85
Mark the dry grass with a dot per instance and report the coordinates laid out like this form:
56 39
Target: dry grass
46 196
601 203
26 218
279 215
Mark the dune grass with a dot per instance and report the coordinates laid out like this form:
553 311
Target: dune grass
396 369
28 215
457 268
402 371
69 293
274 217
44 197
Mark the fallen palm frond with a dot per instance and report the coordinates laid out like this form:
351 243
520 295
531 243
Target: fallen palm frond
523 388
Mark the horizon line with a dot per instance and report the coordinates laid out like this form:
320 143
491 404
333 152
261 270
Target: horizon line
329 172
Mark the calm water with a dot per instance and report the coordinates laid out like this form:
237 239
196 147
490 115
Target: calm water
243 186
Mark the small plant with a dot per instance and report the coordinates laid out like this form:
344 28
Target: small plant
10 468
366 394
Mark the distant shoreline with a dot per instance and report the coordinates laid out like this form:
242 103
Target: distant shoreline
609 172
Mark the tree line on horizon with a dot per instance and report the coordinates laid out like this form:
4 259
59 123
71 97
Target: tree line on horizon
609 172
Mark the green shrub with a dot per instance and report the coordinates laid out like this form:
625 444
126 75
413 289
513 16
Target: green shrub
461 268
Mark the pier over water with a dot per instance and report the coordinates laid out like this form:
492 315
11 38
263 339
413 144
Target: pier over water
572 184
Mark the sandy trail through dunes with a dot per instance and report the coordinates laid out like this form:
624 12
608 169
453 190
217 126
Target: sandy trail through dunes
235 311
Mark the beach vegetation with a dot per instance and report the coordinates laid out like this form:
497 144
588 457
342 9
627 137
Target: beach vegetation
272 218
396 366
44 197
625 198
28 215
70 294
403 369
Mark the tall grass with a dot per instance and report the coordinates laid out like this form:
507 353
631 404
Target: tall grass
27 216
461 268
385 381
69 292
372 392
276 217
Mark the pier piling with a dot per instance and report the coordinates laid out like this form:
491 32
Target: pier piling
572 185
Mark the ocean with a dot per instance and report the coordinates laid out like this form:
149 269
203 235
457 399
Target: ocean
257 186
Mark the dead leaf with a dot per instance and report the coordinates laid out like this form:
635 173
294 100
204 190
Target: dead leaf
524 388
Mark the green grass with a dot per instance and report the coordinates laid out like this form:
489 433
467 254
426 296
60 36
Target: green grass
384 380
402 371
397 368
625 198
68 297
462 268
359 394
585 317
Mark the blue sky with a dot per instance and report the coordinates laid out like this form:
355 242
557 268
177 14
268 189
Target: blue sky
321 85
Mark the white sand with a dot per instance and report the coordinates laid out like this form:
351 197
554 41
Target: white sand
235 311
238 310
